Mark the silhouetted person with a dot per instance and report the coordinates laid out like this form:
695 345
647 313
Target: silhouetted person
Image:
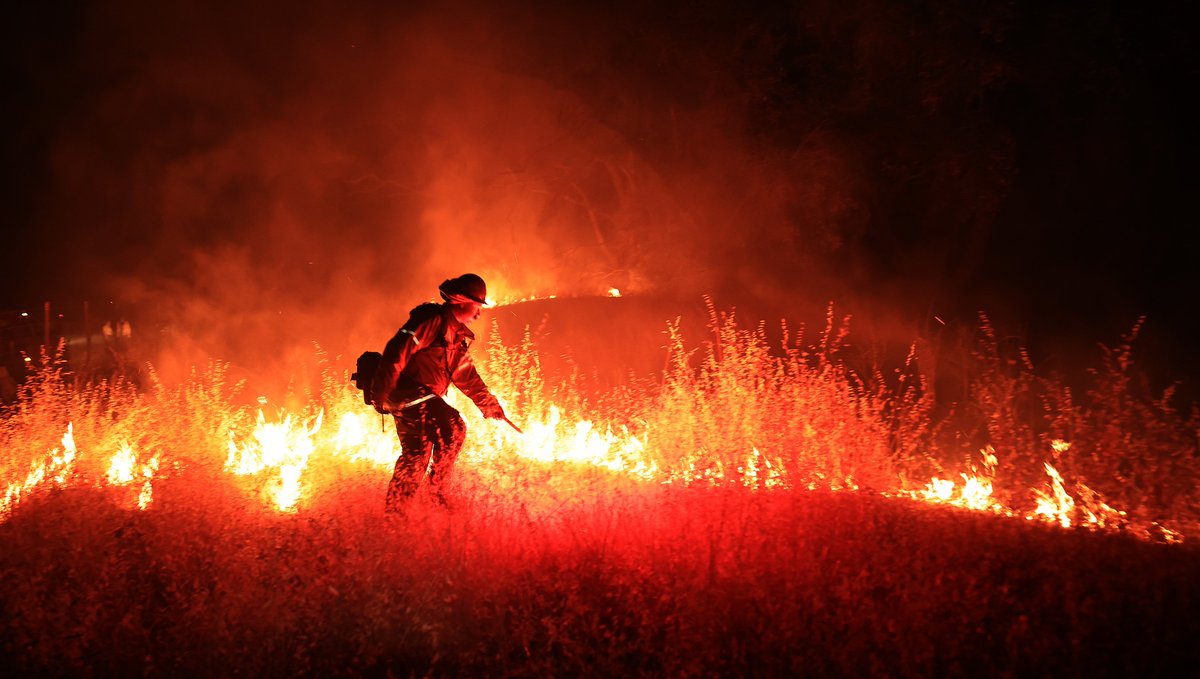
419 364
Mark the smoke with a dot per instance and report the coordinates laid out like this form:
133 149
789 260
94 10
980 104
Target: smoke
249 180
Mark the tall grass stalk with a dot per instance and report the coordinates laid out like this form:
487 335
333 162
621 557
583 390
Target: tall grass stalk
690 525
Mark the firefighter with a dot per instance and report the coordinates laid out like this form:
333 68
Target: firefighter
419 364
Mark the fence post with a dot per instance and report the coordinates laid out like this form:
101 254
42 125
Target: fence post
87 338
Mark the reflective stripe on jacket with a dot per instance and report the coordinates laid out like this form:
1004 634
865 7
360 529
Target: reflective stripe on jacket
425 356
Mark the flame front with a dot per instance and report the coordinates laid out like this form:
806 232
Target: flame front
691 432
281 453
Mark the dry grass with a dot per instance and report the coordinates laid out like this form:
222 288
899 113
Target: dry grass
723 543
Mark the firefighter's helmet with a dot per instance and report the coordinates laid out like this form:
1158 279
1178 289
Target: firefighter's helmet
466 288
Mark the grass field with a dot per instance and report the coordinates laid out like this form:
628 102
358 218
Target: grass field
630 581
756 510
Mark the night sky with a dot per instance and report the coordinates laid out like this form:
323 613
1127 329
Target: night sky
258 173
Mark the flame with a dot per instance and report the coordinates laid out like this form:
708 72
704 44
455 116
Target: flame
1054 505
1058 504
759 472
975 491
61 465
282 454
123 469
291 459
288 448
581 442
359 439
285 446
57 467
504 298
1096 510
147 492
120 468
939 490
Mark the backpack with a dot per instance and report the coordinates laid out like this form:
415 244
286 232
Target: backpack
368 362
364 374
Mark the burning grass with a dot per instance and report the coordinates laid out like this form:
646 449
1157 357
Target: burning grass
700 523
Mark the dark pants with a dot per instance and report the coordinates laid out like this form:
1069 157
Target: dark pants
430 429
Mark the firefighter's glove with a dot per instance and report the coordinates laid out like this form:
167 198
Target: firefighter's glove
493 411
386 406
